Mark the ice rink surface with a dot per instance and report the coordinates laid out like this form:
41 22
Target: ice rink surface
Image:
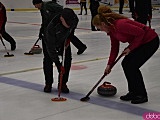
22 79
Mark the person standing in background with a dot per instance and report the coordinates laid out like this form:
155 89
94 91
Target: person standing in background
121 4
83 4
143 11
94 4
76 42
131 5
3 33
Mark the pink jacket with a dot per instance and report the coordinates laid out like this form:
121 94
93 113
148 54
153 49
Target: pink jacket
131 32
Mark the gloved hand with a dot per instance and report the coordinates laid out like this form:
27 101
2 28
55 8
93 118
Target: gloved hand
107 70
41 35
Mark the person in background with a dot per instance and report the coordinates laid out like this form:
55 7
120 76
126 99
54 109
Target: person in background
3 33
143 11
94 4
142 41
121 4
131 5
83 4
76 42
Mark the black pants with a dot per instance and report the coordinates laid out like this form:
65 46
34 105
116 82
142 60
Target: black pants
7 37
48 65
121 4
131 5
142 19
94 12
76 42
131 65
83 4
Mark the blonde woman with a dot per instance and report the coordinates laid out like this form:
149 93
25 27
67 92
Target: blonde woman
142 41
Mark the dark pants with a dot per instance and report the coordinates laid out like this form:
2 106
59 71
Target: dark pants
131 65
76 42
93 13
83 4
121 4
7 37
48 65
142 19
131 5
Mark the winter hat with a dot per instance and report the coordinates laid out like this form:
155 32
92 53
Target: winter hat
68 15
36 2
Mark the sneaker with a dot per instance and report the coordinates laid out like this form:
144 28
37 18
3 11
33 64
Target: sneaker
48 88
80 51
64 88
127 97
139 99
13 47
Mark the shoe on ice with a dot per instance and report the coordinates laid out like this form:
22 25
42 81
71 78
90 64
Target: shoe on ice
48 88
80 51
139 99
13 47
127 97
64 88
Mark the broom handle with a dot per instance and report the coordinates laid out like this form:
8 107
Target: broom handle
104 76
66 44
4 45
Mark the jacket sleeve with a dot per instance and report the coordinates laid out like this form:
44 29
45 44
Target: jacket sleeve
114 50
74 23
51 43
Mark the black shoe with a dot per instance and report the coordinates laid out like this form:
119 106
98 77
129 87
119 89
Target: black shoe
13 46
127 97
94 30
139 99
120 13
64 88
80 14
80 51
48 88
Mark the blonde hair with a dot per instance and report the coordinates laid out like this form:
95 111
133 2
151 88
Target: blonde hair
106 15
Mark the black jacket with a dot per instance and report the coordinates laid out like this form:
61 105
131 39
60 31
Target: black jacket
56 35
143 8
48 11
94 4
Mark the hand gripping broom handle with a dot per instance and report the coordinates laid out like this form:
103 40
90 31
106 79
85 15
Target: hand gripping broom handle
103 76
